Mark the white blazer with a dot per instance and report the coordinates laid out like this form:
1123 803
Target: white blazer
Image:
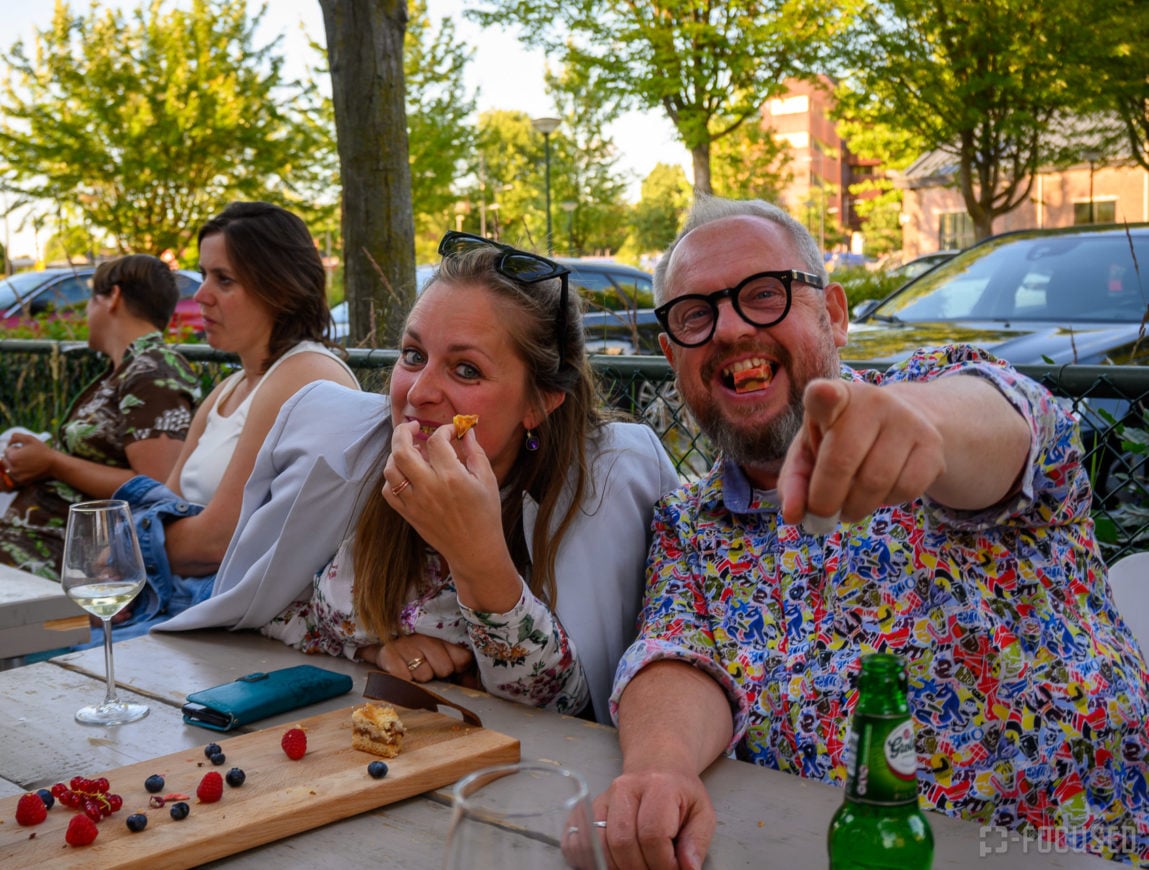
309 480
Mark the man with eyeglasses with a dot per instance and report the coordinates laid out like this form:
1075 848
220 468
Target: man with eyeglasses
939 511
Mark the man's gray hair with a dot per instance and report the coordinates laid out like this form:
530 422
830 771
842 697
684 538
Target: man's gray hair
707 209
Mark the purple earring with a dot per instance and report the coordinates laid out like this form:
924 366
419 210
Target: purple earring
532 441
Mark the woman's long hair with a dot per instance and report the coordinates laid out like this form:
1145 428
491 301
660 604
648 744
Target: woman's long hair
390 557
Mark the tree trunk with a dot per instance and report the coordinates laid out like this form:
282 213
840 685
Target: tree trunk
365 53
701 157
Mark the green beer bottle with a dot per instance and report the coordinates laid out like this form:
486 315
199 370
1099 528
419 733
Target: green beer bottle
879 825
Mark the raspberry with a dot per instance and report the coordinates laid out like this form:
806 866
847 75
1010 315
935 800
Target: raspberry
81 831
294 743
137 822
377 769
210 788
180 811
236 777
31 810
154 783
47 797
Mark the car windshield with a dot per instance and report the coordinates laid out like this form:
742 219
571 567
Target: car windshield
1055 278
18 287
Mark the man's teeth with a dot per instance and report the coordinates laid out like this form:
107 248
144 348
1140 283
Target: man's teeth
749 375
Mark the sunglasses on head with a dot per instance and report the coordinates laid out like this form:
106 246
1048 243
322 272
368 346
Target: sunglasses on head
520 266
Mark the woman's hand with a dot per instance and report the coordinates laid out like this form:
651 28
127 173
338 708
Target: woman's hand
448 491
419 657
28 459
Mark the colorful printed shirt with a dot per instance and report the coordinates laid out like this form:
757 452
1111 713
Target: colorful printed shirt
1029 694
152 393
523 655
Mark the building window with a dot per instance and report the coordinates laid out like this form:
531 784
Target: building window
955 230
1104 212
790 105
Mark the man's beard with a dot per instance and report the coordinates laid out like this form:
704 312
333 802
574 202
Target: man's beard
766 445
762 445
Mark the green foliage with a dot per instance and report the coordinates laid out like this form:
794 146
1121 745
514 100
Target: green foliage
749 163
983 82
708 66
658 215
1121 69
440 136
143 125
861 283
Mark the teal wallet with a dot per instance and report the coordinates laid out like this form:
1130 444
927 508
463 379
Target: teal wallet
259 695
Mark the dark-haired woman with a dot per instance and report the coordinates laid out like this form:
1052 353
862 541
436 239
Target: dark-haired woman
264 299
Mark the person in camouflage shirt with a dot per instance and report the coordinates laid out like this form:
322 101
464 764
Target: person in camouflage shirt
132 419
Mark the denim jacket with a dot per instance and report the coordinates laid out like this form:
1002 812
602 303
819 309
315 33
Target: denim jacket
153 505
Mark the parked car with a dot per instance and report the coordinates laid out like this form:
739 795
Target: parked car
618 299
1063 296
919 265
63 292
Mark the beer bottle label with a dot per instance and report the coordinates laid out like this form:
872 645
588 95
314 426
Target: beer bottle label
882 761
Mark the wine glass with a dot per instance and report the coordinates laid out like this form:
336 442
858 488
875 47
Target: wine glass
528 815
103 570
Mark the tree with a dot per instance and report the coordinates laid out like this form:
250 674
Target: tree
983 82
142 126
710 66
749 164
657 216
440 134
1122 70
365 53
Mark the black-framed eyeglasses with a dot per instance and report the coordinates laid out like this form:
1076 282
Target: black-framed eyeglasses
763 299
521 266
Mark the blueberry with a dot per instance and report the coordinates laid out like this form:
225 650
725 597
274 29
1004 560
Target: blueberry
235 777
180 810
377 769
137 822
211 749
154 783
47 798
217 758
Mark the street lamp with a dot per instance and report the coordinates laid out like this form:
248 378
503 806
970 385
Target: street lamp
546 126
1092 155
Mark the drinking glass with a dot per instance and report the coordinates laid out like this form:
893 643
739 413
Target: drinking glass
528 815
103 570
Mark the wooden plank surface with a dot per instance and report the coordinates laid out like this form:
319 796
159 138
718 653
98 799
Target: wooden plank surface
36 615
280 797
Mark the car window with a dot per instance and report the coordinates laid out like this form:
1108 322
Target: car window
19 288
63 294
1045 278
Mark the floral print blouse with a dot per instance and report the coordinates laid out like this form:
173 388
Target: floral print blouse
153 392
524 655
1029 694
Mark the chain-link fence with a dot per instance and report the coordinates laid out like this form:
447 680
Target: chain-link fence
39 378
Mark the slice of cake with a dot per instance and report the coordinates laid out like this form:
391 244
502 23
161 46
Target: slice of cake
375 728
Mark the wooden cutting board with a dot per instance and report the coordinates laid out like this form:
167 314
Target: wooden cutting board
280 797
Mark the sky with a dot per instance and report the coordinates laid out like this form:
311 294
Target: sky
507 76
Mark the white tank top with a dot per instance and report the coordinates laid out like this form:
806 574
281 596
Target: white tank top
203 471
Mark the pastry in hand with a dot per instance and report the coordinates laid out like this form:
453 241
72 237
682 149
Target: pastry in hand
463 422
377 729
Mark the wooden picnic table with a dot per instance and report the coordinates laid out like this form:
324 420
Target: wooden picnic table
765 818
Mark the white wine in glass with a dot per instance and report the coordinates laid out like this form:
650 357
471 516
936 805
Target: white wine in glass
103 571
